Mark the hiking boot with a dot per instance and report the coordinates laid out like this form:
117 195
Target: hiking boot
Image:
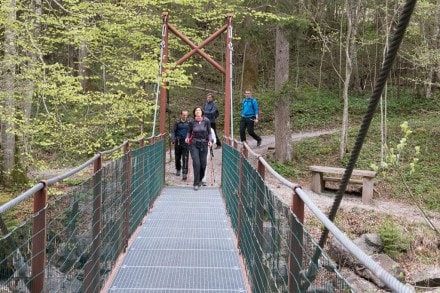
178 173
258 143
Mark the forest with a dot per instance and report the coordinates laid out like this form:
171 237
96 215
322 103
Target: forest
81 76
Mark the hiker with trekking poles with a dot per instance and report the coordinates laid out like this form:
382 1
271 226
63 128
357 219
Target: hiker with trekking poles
199 138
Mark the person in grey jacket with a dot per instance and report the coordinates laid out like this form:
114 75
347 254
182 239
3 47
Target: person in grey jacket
211 112
199 139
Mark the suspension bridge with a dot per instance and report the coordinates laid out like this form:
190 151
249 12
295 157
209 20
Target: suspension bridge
122 230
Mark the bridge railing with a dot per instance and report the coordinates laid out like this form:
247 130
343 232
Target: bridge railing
71 242
277 248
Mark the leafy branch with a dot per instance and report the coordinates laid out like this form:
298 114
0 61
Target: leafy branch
394 161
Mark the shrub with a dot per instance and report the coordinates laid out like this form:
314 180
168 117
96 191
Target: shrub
393 238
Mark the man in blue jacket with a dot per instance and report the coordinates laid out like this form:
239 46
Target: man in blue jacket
249 116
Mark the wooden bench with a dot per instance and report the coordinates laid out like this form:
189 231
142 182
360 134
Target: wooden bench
321 174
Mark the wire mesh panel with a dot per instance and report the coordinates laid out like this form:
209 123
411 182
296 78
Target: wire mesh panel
271 238
85 228
15 251
76 235
230 182
147 171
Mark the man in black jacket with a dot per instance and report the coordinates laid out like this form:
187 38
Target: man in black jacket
211 112
181 149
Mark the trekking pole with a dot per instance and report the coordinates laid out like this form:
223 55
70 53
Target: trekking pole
212 167
189 169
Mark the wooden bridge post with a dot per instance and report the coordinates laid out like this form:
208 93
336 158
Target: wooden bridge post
259 204
295 242
245 152
259 283
92 268
39 240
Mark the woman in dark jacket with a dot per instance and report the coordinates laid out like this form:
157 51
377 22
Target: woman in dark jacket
199 139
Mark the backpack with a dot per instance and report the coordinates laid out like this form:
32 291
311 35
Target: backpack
252 101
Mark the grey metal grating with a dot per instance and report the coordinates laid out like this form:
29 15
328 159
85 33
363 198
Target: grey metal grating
185 245
217 222
180 279
183 258
166 244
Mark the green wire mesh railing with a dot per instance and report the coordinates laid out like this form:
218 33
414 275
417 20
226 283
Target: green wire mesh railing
72 242
268 233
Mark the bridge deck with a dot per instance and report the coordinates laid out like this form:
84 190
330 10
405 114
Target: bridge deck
185 245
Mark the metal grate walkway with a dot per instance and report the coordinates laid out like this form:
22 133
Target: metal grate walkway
185 245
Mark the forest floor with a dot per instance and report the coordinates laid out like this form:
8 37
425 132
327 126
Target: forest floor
354 211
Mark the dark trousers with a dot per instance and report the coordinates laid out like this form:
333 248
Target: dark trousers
181 153
213 126
247 123
199 151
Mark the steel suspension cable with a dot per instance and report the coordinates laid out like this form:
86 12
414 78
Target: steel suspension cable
159 77
231 49
374 100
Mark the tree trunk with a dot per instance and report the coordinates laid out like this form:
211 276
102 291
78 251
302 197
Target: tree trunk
283 136
384 97
250 66
434 70
354 58
350 53
82 65
7 122
25 144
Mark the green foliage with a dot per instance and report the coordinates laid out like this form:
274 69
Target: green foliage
308 106
73 181
4 197
286 170
77 111
393 237
397 156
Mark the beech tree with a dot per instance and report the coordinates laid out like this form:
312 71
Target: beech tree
283 132
424 52
350 55
7 85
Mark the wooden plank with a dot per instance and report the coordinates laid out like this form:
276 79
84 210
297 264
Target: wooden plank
337 179
341 171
